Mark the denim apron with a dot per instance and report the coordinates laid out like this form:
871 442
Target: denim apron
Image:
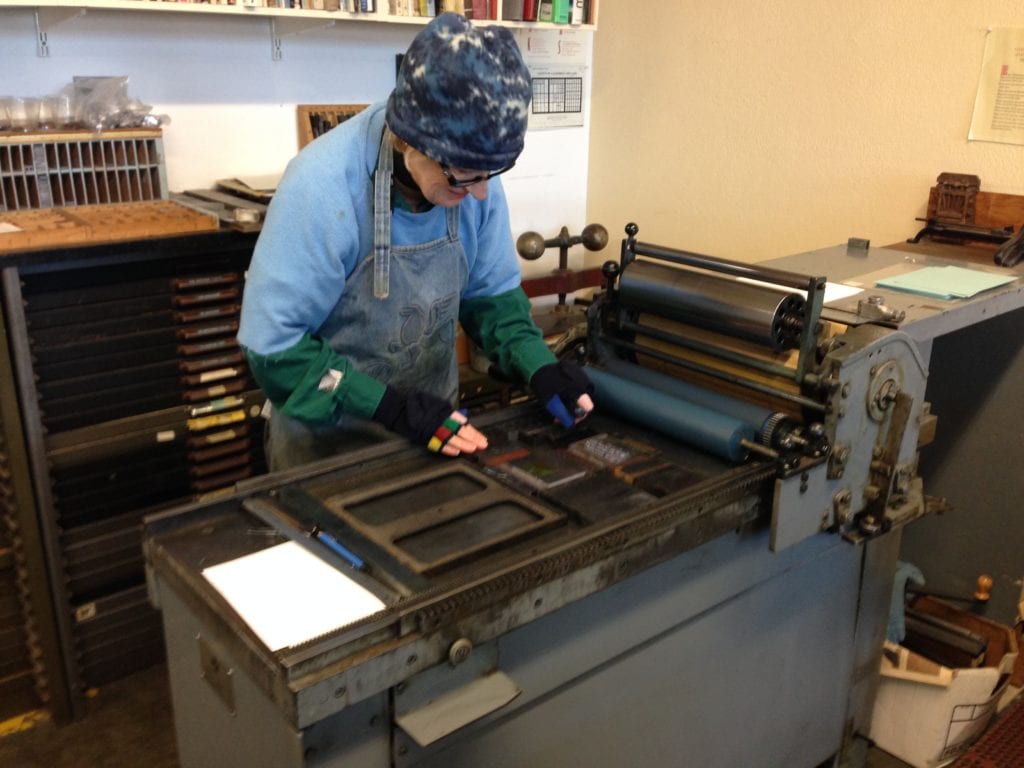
396 321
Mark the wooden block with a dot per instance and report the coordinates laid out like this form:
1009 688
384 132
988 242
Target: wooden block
51 137
991 209
112 222
997 210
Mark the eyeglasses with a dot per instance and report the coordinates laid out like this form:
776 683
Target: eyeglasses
457 183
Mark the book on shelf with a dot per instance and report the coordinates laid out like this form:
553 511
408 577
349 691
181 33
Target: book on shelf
545 11
560 11
512 10
579 12
485 9
529 10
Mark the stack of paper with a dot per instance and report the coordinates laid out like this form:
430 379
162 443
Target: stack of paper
946 282
288 595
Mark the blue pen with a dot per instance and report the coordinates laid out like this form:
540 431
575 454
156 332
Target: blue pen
337 548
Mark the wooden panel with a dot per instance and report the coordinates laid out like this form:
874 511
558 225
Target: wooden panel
316 119
991 209
49 137
83 224
996 210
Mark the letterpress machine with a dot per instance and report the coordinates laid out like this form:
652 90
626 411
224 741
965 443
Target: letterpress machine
698 574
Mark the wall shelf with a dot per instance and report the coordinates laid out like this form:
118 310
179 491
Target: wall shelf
283 22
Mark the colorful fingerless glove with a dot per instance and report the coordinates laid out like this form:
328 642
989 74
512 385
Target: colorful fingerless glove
422 417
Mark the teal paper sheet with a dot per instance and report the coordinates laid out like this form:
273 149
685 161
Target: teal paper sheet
946 282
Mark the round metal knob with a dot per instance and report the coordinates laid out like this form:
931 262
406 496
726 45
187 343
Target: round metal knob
530 245
983 593
594 237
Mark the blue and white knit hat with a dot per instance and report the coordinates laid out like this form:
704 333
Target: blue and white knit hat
462 96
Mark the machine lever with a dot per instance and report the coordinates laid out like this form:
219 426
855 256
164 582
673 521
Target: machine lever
1012 251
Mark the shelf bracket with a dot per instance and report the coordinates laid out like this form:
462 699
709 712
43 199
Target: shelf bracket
280 27
46 19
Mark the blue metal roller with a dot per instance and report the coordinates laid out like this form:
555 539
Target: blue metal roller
696 425
759 417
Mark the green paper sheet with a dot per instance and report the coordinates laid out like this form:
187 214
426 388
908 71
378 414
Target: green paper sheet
946 282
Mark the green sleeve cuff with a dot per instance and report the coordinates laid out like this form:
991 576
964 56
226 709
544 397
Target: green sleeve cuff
502 327
313 383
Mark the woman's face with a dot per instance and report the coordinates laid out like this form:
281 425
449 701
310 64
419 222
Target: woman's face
434 185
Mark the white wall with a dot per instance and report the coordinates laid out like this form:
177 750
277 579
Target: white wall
232 107
750 129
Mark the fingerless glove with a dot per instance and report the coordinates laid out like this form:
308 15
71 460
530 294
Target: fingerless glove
420 416
558 386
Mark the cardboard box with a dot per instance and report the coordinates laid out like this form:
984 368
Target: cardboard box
928 715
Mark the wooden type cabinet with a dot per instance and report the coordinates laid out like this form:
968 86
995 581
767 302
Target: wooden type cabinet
124 392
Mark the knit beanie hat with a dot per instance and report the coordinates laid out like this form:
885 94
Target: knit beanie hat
462 95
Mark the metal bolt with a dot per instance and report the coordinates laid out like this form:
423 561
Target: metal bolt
460 650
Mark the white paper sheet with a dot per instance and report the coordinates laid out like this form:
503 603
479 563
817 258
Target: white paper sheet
833 291
288 595
999 104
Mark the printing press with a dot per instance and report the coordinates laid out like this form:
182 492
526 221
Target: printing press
699 573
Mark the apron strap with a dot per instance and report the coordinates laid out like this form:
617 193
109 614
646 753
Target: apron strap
453 223
382 217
